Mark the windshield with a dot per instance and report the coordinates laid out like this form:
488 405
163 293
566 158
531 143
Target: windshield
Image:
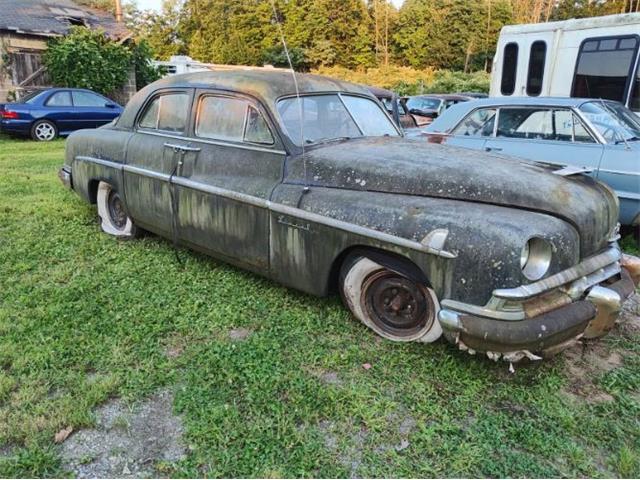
333 116
615 122
423 103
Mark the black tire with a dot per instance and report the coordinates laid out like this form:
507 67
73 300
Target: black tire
390 304
44 131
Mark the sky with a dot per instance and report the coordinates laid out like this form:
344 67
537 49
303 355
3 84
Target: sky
155 4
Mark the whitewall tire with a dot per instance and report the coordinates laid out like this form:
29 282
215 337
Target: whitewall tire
113 214
390 304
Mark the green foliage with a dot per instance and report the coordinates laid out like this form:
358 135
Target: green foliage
146 73
87 59
277 57
161 31
446 81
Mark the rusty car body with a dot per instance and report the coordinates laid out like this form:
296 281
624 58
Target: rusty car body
322 193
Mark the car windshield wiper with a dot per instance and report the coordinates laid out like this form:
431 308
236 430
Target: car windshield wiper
319 141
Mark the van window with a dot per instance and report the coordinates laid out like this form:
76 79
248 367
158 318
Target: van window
535 75
509 69
634 101
604 68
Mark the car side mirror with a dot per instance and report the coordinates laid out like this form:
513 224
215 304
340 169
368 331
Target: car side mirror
111 105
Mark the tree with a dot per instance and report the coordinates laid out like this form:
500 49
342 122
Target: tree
88 59
159 30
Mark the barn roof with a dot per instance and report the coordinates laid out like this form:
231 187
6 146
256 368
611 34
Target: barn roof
55 17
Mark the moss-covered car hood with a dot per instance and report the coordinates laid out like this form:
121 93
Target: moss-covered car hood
400 165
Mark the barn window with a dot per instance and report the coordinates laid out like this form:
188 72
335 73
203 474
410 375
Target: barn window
509 69
535 75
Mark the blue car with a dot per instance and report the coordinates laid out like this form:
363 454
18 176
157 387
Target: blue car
599 137
46 114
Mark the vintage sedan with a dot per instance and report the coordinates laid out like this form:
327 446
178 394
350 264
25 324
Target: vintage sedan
600 136
322 193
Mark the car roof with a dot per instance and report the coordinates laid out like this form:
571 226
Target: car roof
265 84
443 96
454 114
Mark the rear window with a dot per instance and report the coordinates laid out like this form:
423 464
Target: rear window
167 112
509 69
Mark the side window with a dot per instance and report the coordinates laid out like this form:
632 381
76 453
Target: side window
86 99
221 118
535 75
477 124
603 68
167 112
634 101
509 69
525 123
59 99
257 130
569 128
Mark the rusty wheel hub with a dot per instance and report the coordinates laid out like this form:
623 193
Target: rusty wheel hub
116 210
396 304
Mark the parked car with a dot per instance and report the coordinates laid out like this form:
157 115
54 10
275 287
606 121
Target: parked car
425 108
396 106
600 136
322 193
45 114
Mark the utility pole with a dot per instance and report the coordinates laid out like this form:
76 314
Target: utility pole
118 11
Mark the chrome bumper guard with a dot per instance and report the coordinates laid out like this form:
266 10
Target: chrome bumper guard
506 304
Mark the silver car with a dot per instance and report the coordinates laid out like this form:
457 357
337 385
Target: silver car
599 136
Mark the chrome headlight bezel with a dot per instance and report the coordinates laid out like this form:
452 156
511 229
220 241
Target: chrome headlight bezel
535 258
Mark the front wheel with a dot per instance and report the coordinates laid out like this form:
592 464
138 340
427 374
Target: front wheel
390 304
111 209
44 131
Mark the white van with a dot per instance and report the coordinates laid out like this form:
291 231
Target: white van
591 57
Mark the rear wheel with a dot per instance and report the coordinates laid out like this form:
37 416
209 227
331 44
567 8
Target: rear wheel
44 131
392 305
113 213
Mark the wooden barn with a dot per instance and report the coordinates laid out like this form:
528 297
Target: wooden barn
25 27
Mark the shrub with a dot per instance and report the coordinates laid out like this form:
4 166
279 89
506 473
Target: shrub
88 59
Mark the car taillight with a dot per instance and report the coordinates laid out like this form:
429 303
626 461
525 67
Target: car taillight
10 115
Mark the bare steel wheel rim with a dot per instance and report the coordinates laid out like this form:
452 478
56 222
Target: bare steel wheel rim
397 305
45 131
116 210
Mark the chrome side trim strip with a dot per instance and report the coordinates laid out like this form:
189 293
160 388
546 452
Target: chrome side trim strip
278 208
213 142
586 267
100 161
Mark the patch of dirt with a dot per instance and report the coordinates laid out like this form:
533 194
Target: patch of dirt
239 334
630 316
174 346
127 442
352 456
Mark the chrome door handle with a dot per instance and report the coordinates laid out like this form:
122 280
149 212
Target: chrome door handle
492 149
190 149
181 148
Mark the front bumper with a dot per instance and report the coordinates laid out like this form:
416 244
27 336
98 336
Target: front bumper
64 174
541 318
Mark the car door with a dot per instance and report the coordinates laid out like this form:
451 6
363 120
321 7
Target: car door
59 108
546 134
474 129
153 154
224 190
91 109
620 169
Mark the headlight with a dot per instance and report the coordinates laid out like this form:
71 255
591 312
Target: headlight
535 258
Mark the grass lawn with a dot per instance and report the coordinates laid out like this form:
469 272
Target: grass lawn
85 318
